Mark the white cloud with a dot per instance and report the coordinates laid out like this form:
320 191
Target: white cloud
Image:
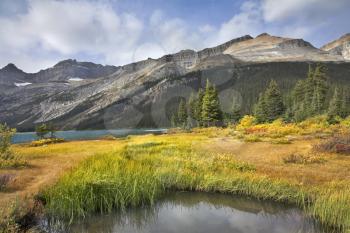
173 34
48 31
248 21
206 28
71 27
314 10
148 50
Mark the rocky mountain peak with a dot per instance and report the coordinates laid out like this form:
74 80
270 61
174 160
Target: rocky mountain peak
11 68
263 35
333 44
67 62
345 36
340 46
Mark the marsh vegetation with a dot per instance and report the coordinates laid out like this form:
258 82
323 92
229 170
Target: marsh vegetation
81 178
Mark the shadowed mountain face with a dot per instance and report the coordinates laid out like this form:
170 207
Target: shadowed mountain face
82 95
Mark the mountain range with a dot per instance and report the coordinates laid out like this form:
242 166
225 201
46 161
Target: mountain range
84 95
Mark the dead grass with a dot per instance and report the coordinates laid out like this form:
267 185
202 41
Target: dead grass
4 180
298 158
268 159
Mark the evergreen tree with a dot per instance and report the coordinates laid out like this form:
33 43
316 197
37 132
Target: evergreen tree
301 112
309 90
288 116
182 113
345 109
270 105
51 130
320 89
298 93
335 106
260 109
211 112
236 111
199 106
310 95
174 121
192 104
41 130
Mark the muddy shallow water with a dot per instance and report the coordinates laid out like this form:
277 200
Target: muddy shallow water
185 212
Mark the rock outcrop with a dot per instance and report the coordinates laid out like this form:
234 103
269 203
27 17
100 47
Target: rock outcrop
340 46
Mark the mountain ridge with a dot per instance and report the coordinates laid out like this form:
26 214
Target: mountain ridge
203 52
82 95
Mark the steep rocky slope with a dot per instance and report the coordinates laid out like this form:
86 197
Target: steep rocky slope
340 46
144 94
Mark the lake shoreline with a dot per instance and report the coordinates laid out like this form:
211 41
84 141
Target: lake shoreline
73 135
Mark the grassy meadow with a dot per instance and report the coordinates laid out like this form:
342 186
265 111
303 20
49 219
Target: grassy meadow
273 161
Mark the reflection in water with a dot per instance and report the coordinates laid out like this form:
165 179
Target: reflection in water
201 213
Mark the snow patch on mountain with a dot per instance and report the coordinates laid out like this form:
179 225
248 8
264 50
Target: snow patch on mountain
22 84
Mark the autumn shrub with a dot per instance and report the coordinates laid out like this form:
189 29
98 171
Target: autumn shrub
276 129
298 158
339 144
246 122
317 124
252 138
345 122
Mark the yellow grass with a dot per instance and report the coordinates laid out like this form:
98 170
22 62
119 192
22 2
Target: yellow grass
329 180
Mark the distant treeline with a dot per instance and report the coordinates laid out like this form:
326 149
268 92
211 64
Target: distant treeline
309 97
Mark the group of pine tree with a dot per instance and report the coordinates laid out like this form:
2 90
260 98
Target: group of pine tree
202 109
310 97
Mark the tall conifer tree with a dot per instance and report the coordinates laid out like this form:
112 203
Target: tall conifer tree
270 105
335 105
182 113
211 112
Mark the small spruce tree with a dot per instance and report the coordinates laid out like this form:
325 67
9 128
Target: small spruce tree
260 109
270 105
335 106
345 109
236 111
174 121
211 112
198 108
182 113
321 88
192 104
41 130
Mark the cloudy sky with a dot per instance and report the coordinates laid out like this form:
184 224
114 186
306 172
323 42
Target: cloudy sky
36 34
